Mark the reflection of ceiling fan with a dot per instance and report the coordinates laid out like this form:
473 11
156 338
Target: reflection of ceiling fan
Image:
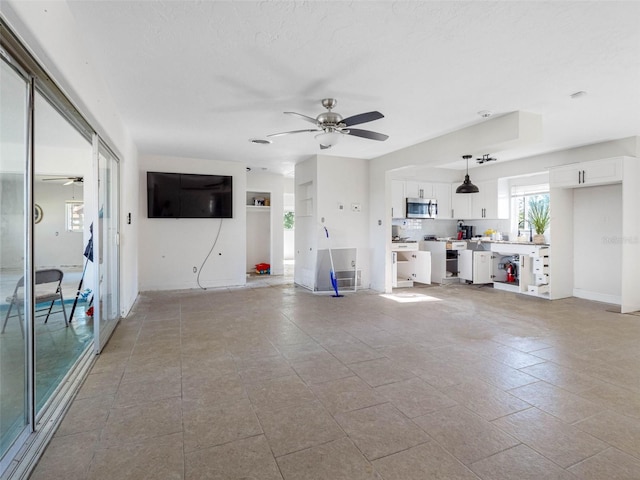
332 126
68 180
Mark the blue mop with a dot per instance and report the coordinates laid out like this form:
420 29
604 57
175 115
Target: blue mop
332 273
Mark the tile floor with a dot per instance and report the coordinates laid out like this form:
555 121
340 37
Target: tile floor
278 383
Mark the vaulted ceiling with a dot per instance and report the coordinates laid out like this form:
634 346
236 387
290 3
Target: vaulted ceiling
202 78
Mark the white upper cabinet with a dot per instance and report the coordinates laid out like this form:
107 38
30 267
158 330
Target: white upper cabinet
586 174
401 190
397 199
460 204
491 202
442 193
418 189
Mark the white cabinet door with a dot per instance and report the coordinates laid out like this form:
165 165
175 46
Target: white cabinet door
484 204
419 189
585 174
421 266
565 176
465 265
413 190
460 204
602 172
489 192
397 199
482 267
442 193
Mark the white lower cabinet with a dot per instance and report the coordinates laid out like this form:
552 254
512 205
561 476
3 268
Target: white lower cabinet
531 264
410 265
413 266
475 266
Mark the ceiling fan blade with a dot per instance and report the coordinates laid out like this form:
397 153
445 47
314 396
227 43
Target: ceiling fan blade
362 118
292 131
367 134
304 117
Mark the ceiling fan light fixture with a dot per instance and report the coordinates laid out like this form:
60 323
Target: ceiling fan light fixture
328 139
467 186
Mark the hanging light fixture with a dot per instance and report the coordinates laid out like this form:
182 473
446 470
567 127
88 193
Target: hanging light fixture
467 186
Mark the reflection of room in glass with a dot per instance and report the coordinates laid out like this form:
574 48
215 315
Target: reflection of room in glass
62 159
74 216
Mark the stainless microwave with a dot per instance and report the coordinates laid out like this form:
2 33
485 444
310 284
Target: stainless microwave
422 208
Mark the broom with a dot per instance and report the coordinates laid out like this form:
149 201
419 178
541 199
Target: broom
332 273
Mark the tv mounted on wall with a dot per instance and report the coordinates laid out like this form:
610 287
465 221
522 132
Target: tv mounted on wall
186 195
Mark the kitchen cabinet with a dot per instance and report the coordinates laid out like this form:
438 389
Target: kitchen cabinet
398 197
414 266
491 202
442 193
475 266
401 190
532 266
585 174
409 265
460 204
444 259
418 189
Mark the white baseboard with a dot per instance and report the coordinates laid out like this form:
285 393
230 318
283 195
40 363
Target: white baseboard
597 297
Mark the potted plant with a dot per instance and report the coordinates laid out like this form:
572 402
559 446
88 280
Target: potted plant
539 218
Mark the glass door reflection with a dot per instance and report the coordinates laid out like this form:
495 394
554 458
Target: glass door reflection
62 163
108 257
13 165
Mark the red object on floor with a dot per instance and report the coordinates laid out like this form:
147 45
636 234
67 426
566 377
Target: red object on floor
263 268
90 312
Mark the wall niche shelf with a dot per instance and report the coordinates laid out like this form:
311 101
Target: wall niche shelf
258 200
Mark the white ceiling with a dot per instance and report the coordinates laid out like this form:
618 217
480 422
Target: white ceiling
199 79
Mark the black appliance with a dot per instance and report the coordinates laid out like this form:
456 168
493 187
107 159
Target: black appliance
467 232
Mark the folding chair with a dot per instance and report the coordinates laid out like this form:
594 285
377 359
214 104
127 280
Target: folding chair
47 280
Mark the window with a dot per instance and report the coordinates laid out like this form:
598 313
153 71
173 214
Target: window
74 216
288 220
522 197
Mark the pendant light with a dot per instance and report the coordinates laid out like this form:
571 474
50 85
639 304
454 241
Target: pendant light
467 186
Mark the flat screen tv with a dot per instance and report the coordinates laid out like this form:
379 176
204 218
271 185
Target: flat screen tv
186 195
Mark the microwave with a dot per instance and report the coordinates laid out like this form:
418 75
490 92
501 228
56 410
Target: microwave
422 208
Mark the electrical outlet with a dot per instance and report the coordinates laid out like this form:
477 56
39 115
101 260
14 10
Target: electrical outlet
195 269
355 207
340 206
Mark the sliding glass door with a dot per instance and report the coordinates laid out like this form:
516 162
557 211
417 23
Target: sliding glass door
14 96
107 244
59 298
62 166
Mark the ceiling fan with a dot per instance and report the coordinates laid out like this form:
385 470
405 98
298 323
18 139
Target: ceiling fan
69 180
331 126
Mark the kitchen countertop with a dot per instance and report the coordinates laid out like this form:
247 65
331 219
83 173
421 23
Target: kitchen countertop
487 240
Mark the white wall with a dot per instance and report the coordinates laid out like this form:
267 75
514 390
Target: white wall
170 248
54 246
597 249
344 182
